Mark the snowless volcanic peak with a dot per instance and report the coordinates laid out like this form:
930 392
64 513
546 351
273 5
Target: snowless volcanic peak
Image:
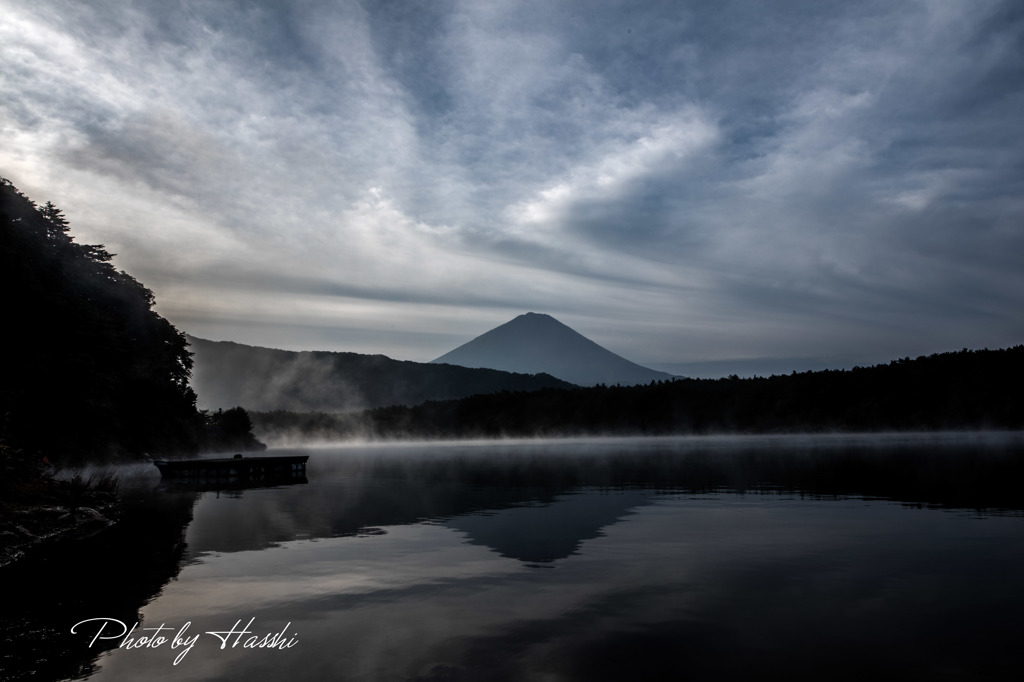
535 343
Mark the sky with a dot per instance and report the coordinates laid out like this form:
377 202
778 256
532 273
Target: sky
698 186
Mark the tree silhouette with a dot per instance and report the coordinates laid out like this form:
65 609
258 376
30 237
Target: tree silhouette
57 229
90 367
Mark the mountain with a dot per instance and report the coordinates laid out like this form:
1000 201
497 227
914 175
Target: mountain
539 343
227 374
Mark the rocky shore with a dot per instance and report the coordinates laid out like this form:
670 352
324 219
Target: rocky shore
63 514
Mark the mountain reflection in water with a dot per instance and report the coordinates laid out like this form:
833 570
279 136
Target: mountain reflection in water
786 557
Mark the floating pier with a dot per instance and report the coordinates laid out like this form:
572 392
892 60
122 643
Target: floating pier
237 467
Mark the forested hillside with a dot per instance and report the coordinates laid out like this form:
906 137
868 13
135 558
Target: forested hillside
89 368
965 389
257 378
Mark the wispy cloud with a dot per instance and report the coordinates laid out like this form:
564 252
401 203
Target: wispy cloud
682 182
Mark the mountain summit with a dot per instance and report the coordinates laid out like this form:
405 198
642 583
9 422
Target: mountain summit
534 343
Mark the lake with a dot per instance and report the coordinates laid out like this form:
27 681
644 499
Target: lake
785 557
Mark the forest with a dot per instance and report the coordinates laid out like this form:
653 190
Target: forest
91 371
966 389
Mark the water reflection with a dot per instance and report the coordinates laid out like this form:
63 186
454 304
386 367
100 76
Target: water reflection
544 533
227 486
807 558
116 572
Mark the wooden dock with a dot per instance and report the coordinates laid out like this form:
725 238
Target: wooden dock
237 467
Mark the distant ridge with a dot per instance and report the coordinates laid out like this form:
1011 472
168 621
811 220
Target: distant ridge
535 342
227 374
976 391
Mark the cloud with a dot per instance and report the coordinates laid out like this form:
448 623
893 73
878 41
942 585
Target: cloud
680 182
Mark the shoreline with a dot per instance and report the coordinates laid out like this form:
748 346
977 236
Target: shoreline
30 527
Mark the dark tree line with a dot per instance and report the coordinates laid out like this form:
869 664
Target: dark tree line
229 430
965 389
90 369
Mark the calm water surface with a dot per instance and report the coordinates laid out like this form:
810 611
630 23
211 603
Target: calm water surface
725 558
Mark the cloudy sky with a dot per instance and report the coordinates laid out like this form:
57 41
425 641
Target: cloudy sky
783 185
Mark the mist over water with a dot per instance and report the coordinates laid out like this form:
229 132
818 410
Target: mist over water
826 557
